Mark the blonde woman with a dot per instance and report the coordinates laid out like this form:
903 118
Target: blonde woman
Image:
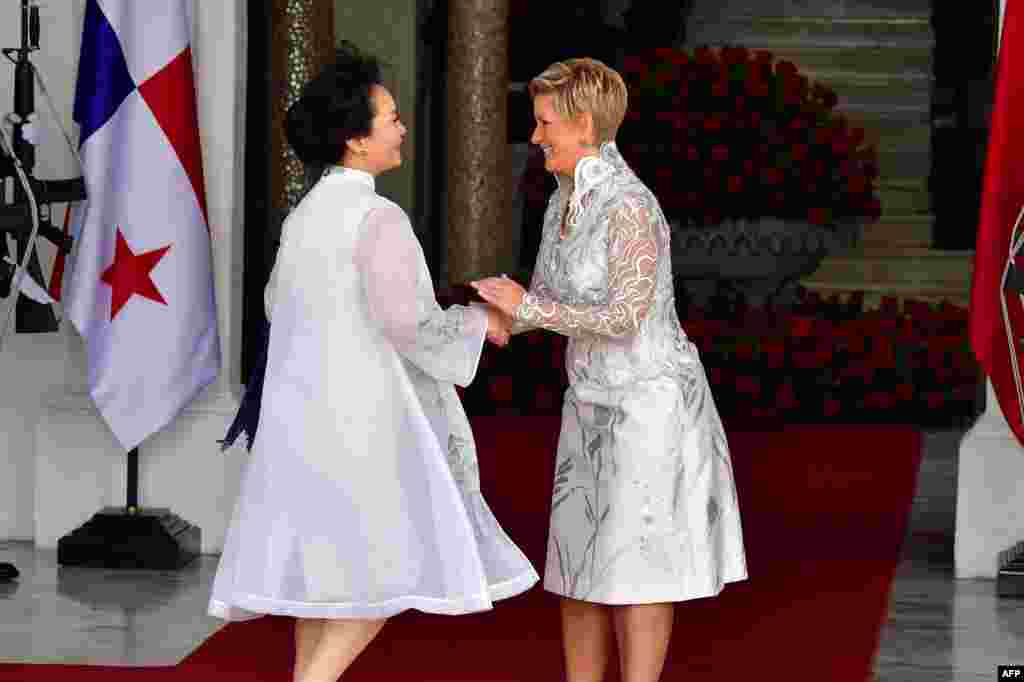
644 508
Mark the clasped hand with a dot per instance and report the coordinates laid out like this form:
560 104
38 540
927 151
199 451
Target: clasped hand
504 296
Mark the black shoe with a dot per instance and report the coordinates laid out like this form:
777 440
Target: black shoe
8 572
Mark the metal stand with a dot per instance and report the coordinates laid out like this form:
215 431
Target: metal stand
131 537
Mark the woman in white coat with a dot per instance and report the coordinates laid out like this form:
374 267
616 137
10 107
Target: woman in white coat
361 498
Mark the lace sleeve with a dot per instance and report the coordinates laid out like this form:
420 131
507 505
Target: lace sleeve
539 289
632 264
444 343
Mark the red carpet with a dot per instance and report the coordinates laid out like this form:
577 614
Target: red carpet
824 511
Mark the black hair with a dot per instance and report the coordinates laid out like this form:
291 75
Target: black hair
333 108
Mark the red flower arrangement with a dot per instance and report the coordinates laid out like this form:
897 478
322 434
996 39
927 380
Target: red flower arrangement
733 134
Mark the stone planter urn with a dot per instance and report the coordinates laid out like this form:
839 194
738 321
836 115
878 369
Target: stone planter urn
760 260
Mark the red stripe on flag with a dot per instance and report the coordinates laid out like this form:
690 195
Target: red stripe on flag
170 94
57 274
1002 199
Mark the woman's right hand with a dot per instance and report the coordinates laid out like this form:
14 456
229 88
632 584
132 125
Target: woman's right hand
499 326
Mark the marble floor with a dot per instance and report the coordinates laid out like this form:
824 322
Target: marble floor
937 629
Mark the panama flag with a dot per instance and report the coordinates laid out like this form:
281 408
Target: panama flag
141 289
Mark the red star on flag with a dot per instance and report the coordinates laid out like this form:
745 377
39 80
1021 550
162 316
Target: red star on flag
128 275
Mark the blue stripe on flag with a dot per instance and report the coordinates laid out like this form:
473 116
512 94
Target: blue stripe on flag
103 77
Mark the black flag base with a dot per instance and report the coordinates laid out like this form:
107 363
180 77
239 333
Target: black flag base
120 537
1010 581
7 572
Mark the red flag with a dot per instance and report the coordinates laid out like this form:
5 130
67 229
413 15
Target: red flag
1001 202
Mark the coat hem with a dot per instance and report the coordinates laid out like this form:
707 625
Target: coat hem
626 600
249 606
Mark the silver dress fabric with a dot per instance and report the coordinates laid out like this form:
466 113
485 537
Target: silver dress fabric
644 504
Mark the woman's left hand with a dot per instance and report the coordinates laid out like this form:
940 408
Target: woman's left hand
502 292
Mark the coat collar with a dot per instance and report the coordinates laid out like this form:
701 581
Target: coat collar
352 174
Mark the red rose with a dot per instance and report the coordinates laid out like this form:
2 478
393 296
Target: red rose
735 184
748 167
786 396
679 58
831 407
905 392
786 69
712 123
692 154
874 208
800 326
817 216
720 88
734 55
800 152
749 385
763 57
664 76
719 152
840 145
704 56
772 176
632 64
822 135
857 184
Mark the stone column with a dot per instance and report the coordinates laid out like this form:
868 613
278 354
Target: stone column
302 40
479 240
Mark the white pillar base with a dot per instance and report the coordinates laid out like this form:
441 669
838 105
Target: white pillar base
990 493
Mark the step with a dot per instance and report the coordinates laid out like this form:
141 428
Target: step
780 31
837 9
902 62
922 274
874 294
895 96
887 129
905 162
897 269
898 231
904 196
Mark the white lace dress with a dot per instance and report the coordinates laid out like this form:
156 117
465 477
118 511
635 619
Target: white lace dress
644 504
361 497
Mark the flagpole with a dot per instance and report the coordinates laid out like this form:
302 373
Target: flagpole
132 496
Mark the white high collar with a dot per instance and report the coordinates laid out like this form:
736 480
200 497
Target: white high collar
590 171
354 175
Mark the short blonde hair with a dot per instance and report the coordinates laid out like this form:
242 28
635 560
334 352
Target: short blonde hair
585 85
